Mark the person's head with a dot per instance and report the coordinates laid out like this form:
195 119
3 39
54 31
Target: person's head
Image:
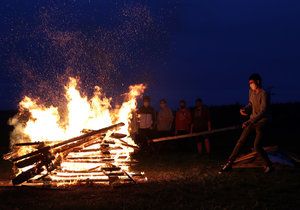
198 102
146 101
117 106
163 103
255 81
182 104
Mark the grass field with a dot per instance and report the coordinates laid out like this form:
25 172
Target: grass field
176 181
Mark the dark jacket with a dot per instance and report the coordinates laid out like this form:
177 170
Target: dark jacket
201 117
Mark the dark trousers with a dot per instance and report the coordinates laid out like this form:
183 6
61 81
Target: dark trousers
260 130
144 135
162 146
184 145
199 139
160 134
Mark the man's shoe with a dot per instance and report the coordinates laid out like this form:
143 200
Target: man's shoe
268 169
226 168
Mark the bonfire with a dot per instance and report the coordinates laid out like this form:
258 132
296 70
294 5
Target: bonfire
89 144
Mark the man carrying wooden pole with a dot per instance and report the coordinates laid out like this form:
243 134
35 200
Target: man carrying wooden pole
258 109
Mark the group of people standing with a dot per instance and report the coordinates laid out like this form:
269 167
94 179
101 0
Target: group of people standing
151 124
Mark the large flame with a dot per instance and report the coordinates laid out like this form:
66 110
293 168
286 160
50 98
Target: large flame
37 122
46 124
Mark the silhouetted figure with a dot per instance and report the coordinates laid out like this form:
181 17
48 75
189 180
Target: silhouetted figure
134 126
201 122
164 119
183 119
258 109
146 120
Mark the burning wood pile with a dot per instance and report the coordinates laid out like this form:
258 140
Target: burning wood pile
95 156
92 158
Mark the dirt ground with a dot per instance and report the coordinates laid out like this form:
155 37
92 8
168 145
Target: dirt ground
180 180
176 181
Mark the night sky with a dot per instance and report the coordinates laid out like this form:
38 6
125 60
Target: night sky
180 49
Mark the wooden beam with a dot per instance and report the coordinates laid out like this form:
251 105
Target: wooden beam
69 141
253 154
205 133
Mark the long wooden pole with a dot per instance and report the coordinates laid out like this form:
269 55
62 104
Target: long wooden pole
205 133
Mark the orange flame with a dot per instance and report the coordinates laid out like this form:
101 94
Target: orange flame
45 124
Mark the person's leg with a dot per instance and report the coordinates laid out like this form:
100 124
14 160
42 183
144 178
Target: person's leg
199 145
181 143
260 129
143 139
167 133
149 134
139 138
240 143
163 145
207 145
243 138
